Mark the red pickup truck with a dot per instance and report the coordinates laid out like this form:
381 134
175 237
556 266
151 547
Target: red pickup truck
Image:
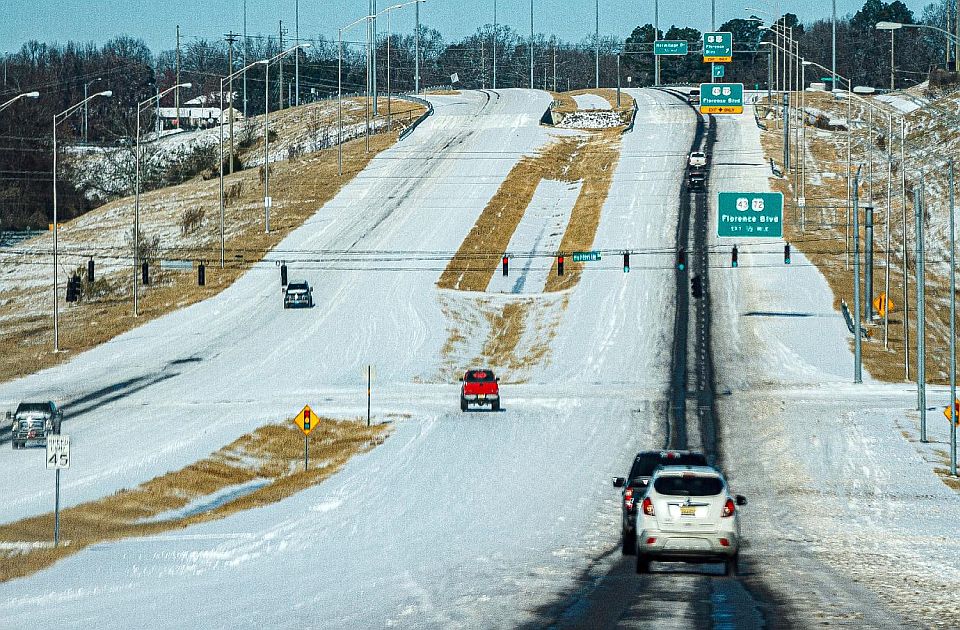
480 387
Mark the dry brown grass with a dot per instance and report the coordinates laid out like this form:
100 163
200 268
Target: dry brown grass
473 265
567 105
273 454
595 167
298 187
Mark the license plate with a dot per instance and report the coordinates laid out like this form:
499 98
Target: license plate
688 510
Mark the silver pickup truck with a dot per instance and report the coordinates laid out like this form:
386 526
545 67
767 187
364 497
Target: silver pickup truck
32 422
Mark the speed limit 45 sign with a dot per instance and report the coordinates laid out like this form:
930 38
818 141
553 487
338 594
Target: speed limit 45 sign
58 451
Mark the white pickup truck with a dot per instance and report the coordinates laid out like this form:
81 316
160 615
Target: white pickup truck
698 159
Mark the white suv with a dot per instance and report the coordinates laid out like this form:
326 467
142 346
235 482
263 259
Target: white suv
688 515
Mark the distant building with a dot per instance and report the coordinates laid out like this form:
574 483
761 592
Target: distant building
199 113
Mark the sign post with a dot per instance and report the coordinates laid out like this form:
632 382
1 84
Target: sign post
721 98
58 456
750 215
306 421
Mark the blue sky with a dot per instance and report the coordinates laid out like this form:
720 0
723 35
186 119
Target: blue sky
155 21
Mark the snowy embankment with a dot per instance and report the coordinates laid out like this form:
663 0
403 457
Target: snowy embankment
591 102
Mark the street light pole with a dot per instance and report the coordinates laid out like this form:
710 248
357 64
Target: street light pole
656 36
16 98
857 354
953 330
494 43
57 118
597 37
531 44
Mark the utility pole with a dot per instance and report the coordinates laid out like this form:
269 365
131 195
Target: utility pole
280 76
554 66
833 64
296 59
231 37
597 36
857 329
416 72
373 54
531 44
176 94
921 320
953 330
656 36
892 79
494 42
245 62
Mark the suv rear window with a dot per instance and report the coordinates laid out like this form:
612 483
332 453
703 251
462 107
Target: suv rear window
646 463
688 486
297 286
28 407
483 376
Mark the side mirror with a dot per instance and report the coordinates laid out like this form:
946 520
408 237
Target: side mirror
461 379
619 482
741 500
497 379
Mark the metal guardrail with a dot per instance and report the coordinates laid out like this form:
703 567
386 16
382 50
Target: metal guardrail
413 126
11 238
633 118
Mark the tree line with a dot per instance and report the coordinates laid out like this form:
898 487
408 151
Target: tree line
125 65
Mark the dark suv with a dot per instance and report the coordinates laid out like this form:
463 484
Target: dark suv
32 422
298 294
635 486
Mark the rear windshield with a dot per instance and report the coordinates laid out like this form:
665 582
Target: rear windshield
688 486
297 287
483 376
645 464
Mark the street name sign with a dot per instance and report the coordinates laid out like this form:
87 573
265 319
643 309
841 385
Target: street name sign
717 47
750 214
670 47
58 452
721 98
586 256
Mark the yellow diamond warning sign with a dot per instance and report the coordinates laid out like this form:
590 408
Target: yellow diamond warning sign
306 420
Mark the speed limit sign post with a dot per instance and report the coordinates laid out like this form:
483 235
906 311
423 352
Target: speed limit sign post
58 457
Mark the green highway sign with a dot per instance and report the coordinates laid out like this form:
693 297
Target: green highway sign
717 47
586 256
670 47
721 98
750 215
718 71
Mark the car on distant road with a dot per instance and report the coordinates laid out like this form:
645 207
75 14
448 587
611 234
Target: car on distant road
697 159
644 465
480 387
298 294
693 96
32 422
687 514
696 179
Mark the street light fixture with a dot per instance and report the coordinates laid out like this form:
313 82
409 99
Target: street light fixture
136 204
16 98
243 71
58 118
267 200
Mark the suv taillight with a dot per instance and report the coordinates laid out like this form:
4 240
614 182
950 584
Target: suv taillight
628 498
48 425
728 508
647 506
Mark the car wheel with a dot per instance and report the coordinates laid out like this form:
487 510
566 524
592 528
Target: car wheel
285 305
732 566
629 543
463 405
643 563
17 445
495 405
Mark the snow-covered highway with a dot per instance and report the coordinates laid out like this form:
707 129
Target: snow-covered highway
487 519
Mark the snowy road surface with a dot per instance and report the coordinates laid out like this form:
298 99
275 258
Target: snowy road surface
591 101
494 519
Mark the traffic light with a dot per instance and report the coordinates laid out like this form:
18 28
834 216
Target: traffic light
681 259
506 266
145 273
734 256
559 265
786 254
201 275
626 262
696 287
